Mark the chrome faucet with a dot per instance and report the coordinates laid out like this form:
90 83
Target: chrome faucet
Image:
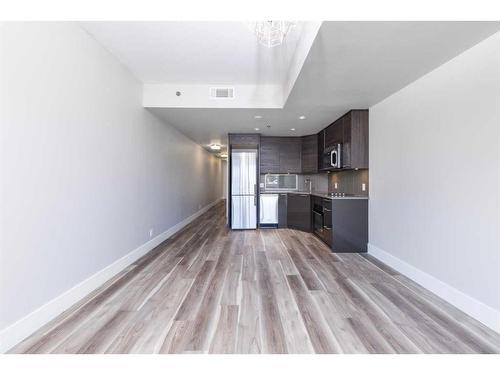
308 181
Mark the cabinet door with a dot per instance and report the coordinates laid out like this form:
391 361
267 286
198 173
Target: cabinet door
299 211
321 149
290 149
309 154
269 155
350 225
334 133
347 143
282 211
359 139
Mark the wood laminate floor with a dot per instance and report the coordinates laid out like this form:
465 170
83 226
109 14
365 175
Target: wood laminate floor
212 290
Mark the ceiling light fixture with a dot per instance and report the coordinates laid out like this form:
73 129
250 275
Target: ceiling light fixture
223 155
292 129
271 33
215 147
302 117
257 129
257 117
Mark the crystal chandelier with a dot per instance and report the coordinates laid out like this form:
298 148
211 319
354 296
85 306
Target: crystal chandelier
271 33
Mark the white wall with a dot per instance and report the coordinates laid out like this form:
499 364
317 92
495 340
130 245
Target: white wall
435 180
86 171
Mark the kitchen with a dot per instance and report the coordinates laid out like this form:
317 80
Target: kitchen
315 183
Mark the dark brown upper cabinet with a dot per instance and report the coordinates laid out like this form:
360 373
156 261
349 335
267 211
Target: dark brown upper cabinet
310 154
269 155
290 160
355 143
280 155
334 133
351 131
321 149
347 141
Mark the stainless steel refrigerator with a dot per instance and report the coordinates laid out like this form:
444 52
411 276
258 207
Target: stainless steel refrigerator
243 189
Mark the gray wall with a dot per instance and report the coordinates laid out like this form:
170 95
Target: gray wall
350 182
319 181
86 171
435 174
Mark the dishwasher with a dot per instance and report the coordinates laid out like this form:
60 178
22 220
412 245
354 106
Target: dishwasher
269 210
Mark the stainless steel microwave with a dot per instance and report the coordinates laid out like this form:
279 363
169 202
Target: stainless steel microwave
332 157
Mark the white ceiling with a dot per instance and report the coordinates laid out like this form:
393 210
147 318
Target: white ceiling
350 65
358 64
207 126
195 52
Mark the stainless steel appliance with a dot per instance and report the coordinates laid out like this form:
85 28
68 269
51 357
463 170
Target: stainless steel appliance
268 210
318 222
243 189
322 218
332 157
318 217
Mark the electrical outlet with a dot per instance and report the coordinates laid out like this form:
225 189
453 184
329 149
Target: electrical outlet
151 233
363 187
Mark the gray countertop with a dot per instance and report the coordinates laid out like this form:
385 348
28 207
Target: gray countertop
321 194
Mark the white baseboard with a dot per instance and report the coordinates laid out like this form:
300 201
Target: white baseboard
471 306
18 331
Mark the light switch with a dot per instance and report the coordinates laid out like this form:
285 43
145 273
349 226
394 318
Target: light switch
363 187
335 185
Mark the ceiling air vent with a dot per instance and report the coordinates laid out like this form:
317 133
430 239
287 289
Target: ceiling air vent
222 93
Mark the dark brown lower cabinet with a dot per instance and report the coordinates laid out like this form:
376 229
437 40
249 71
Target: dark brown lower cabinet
282 211
349 225
299 211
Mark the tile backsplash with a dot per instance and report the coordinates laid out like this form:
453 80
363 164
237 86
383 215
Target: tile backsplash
350 182
319 181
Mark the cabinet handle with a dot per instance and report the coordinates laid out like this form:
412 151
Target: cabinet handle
303 195
326 209
324 226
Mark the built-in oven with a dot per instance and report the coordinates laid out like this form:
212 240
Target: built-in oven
332 157
327 214
322 219
318 219
327 221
